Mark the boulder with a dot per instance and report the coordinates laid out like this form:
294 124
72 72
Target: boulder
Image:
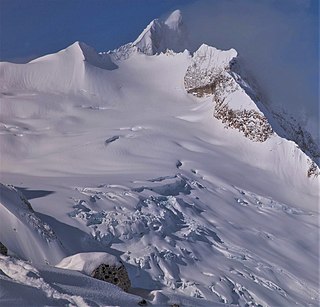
115 274
99 265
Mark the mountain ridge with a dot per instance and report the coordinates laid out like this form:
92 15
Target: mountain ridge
153 41
170 162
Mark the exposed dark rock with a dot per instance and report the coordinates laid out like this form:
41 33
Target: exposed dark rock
216 83
313 170
253 124
143 303
202 80
208 66
113 274
112 139
3 250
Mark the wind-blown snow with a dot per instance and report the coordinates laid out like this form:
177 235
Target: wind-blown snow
118 158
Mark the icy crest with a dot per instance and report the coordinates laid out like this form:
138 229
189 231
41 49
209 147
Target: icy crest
159 36
80 52
162 35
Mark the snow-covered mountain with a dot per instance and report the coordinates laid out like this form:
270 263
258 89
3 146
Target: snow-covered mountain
159 36
166 159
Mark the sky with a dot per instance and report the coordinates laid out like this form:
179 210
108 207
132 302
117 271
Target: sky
277 40
30 28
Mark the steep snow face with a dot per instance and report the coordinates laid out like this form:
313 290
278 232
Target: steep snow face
23 233
65 71
79 52
159 36
293 130
162 35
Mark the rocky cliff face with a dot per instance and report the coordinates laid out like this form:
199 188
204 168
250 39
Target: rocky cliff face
210 74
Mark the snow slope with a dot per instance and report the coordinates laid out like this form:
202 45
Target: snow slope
116 156
22 232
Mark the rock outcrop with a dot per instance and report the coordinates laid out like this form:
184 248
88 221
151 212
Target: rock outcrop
114 274
313 170
207 70
210 75
99 265
251 123
3 250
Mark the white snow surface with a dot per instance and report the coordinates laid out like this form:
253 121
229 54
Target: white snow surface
116 157
158 37
161 35
23 233
22 284
87 262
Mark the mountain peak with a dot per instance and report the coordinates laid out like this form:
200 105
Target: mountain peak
161 35
174 21
84 52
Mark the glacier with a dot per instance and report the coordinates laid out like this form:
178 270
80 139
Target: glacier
163 158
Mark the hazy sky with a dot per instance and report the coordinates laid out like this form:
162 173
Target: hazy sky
278 40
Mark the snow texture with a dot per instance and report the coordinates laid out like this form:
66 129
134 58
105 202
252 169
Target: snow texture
158 37
126 156
23 233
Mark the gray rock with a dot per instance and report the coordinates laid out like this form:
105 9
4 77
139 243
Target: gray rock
115 274
3 250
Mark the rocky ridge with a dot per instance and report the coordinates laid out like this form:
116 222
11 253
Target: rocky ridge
210 74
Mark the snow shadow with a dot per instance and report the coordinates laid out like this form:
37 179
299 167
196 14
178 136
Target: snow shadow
75 240
32 194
